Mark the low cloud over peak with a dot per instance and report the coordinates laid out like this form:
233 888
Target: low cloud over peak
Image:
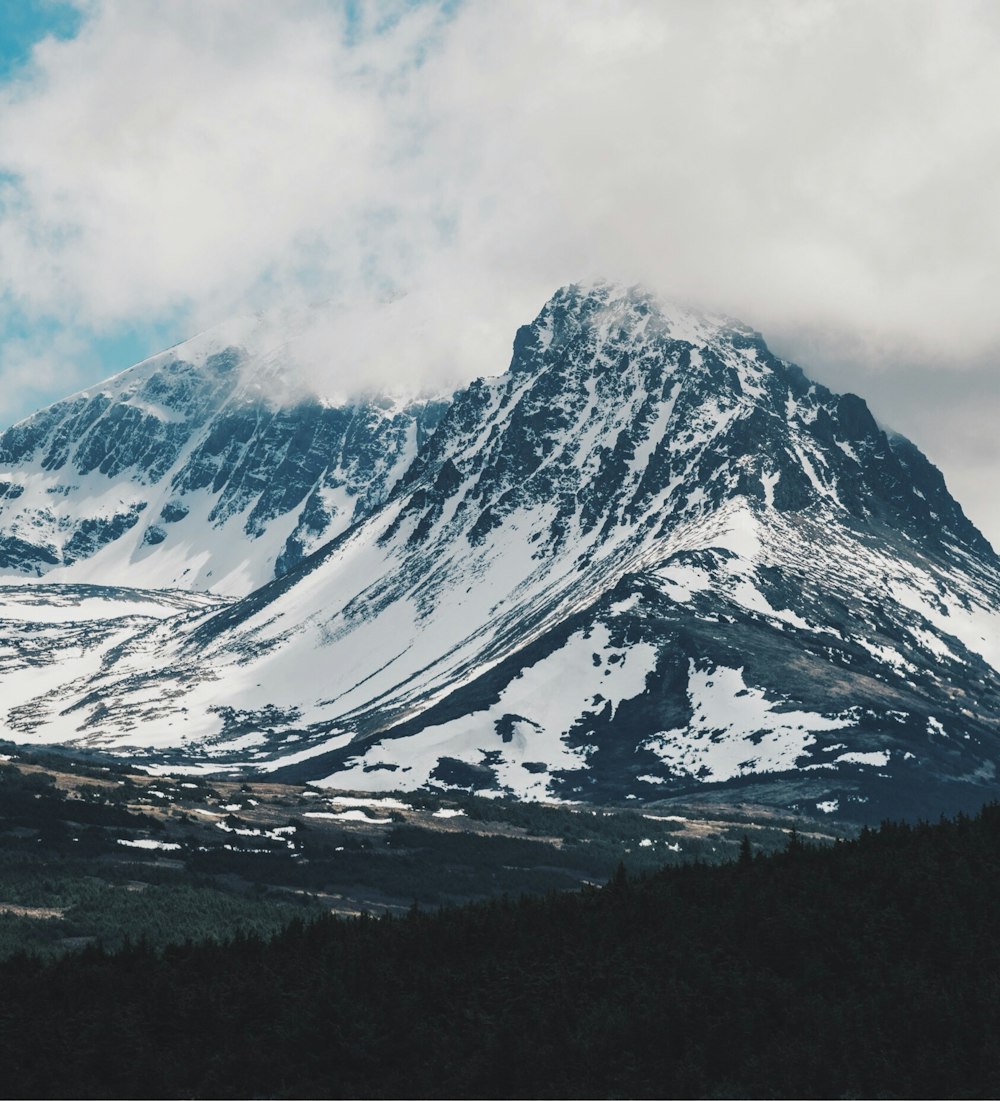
824 171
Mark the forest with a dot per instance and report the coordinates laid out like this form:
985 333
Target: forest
94 854
865 968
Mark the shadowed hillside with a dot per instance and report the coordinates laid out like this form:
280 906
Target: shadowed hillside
867 969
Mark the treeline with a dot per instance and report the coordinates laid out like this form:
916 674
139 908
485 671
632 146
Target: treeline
867 969
31 800
91 910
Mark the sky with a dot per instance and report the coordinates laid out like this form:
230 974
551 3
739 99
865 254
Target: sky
829 172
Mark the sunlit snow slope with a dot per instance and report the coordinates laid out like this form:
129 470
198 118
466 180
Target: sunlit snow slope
649 559
208 467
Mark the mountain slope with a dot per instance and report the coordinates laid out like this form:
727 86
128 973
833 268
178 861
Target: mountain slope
206 467
650 557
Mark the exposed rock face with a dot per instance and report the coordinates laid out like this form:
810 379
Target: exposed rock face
192 454
650 559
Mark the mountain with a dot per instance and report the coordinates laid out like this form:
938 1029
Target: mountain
650 560
207 467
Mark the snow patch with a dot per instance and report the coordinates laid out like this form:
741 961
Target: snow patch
521 738
875 758
735 730
148 843
347 816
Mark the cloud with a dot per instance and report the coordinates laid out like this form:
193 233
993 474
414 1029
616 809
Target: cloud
819 166
825 170
172 150
43 362
810 165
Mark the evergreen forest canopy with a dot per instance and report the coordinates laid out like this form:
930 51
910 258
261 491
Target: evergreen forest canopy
867 968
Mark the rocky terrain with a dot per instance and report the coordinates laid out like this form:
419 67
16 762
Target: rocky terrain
650 561
208 467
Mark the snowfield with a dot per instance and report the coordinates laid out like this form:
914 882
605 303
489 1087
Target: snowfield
648 557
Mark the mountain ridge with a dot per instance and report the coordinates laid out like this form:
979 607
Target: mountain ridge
649 558
201 447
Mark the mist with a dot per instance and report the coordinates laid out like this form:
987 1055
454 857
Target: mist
827 172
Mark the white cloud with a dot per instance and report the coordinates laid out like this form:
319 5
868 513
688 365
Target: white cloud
173 149
826 170
44 363
807 163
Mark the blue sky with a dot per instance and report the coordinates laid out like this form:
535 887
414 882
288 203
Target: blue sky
53 346
830 173
25 22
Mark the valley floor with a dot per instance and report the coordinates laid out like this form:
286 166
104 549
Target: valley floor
867 968
94 854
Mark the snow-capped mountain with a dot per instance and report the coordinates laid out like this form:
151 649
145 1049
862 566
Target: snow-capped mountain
649 558
207 467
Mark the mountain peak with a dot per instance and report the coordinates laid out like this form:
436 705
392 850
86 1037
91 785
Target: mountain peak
213 465
620 408
604 314
649 556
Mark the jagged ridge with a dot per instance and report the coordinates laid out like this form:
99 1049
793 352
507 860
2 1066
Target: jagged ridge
202 468
649 557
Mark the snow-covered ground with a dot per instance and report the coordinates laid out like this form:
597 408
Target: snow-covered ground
585 542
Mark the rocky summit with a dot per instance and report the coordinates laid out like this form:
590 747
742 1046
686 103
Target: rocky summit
650 560
204 468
